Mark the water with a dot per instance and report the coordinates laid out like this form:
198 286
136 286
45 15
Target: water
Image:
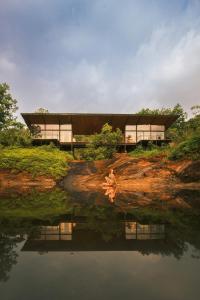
58 245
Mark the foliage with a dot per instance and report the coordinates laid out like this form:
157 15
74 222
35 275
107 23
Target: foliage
37 205
177 129
103 145
37 161
151 151
41 110
7 107
190 149
15 137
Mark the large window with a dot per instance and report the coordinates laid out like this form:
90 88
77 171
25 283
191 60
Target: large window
140 132
130 134
62 132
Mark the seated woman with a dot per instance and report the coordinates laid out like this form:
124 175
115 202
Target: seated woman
110 179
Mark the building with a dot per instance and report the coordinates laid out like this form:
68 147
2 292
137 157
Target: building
65 129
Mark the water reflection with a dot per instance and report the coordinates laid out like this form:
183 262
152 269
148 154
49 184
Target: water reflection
78 236
110 191
137 231
61 222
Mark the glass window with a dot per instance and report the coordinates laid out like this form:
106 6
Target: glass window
50 134
130 137
130 127
140 135
143 127
41 126
65 136
157 135
66 126
52 126
157 127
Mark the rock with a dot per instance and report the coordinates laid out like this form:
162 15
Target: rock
191 173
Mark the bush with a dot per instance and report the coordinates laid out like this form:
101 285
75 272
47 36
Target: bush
15 137
36 161
151 151
103 145
189 149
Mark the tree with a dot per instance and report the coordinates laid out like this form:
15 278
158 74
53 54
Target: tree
178 128
193 124
195 110
8 256
104 144
42 110
8 107
12 132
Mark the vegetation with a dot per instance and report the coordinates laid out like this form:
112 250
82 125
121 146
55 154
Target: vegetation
184 134
37 205
188 149
12 132
45 160
151 151
42 110
8 107
177 129
103 145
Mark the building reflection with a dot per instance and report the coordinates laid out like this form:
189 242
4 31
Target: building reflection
60 232
137 231
80 236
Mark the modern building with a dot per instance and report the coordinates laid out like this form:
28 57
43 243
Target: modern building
65 129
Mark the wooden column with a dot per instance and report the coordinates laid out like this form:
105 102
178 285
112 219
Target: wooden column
125 139
59 131
136 134
150 132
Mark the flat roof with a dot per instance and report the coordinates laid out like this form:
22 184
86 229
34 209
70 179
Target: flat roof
89 123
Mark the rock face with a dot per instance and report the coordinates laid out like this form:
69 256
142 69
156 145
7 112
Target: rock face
132 174
191 173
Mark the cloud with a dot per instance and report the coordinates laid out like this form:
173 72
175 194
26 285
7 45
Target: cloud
97 56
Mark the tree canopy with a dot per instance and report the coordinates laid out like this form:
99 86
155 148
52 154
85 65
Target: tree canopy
42 110
8 107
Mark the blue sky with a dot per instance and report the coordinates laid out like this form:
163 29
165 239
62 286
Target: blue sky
100 55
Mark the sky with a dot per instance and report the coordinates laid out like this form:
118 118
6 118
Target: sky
111 56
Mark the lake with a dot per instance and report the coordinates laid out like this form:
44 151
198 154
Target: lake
60 245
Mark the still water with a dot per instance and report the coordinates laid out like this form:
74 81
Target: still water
81 246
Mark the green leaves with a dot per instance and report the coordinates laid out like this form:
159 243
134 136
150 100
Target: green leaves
188 149
36 161
7 107
103 145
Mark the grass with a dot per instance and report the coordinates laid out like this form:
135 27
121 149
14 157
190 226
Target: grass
45 161
140 152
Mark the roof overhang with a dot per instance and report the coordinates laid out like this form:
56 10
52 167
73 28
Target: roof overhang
89 123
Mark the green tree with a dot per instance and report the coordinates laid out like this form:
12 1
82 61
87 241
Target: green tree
8 107
178 128
193 124
104 144
42 110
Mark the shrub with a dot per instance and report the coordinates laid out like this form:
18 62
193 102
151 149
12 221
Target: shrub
15 137
103 145
188 149
37 161
151 151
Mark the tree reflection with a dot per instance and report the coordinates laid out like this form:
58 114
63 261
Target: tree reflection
8 255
